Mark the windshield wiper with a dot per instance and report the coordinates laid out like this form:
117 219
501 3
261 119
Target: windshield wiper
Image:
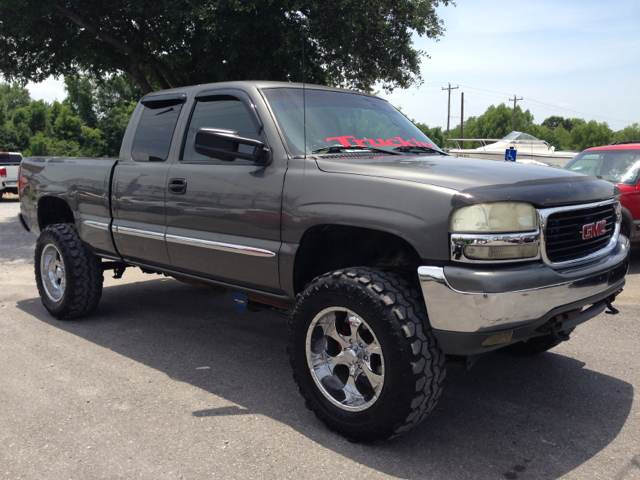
341 149
419 150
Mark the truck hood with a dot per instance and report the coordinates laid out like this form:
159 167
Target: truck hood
476 180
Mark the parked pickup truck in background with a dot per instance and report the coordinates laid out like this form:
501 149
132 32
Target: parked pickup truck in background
9 163
391 254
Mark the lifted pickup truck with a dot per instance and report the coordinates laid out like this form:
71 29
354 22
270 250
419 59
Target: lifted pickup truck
391 254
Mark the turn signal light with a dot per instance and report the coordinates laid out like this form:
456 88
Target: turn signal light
498 339
501 252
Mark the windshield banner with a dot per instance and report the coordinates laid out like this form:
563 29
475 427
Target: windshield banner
390 142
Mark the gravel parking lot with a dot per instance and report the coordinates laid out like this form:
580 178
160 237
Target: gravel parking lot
168 381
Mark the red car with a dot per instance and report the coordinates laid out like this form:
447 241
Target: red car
618 163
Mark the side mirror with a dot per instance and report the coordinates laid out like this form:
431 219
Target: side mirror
225 144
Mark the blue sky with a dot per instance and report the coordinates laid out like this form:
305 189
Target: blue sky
561 57
571 58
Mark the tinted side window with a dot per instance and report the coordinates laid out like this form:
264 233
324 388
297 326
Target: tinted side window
154 133
227 113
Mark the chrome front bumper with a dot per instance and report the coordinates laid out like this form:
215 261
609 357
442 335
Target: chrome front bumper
470 312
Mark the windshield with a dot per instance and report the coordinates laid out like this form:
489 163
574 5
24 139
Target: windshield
511 136
618 166
343 120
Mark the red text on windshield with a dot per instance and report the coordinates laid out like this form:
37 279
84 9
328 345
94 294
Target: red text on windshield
390 142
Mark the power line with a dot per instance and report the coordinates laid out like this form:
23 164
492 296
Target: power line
552 106
549 107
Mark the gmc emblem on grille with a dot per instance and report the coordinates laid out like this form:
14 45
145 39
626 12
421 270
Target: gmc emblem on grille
591 230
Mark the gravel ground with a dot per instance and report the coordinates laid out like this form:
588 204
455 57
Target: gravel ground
167 381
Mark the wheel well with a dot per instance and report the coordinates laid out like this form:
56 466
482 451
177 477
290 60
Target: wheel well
627 220
325 248
54 210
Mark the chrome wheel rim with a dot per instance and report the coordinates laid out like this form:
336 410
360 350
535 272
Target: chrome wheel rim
345 359
52 273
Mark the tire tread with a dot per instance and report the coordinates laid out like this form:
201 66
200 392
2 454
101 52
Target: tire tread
84 276
401 304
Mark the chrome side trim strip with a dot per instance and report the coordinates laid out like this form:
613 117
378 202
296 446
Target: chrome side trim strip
225 247
194 242
98 225
544 217
139 233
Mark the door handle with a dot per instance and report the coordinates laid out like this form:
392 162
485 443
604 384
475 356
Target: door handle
177 186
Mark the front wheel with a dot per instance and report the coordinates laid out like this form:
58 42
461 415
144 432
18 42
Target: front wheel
363 354
69 278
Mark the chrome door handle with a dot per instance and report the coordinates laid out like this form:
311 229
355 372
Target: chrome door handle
177 186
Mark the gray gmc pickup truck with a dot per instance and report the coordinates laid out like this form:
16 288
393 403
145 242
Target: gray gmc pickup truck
391 255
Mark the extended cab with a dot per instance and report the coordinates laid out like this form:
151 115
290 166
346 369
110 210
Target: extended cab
391 254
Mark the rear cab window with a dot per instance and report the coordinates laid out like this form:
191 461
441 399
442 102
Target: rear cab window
155 129
10 158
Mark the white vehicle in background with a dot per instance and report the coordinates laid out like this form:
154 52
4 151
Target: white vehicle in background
529 149
9 164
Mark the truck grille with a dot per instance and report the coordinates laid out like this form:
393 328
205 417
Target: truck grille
563 234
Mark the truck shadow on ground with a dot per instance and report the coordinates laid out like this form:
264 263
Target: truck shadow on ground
634 267
15 242
514 418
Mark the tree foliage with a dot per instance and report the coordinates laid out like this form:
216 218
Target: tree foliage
630 133
435 134
90 122
92 119
561 133
172 43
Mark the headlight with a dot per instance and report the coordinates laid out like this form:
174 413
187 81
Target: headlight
499 217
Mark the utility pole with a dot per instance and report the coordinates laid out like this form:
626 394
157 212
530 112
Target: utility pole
514 100
462 120
448 109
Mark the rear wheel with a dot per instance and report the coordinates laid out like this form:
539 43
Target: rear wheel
69 278
363 355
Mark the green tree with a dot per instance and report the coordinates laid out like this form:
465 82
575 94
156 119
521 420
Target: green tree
13 95
20 116
67 126
170 43
590 134
630 133
54 111
80 95
39 146
113 125
38 116
92 142
552 122
435 134
115 91
564 138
